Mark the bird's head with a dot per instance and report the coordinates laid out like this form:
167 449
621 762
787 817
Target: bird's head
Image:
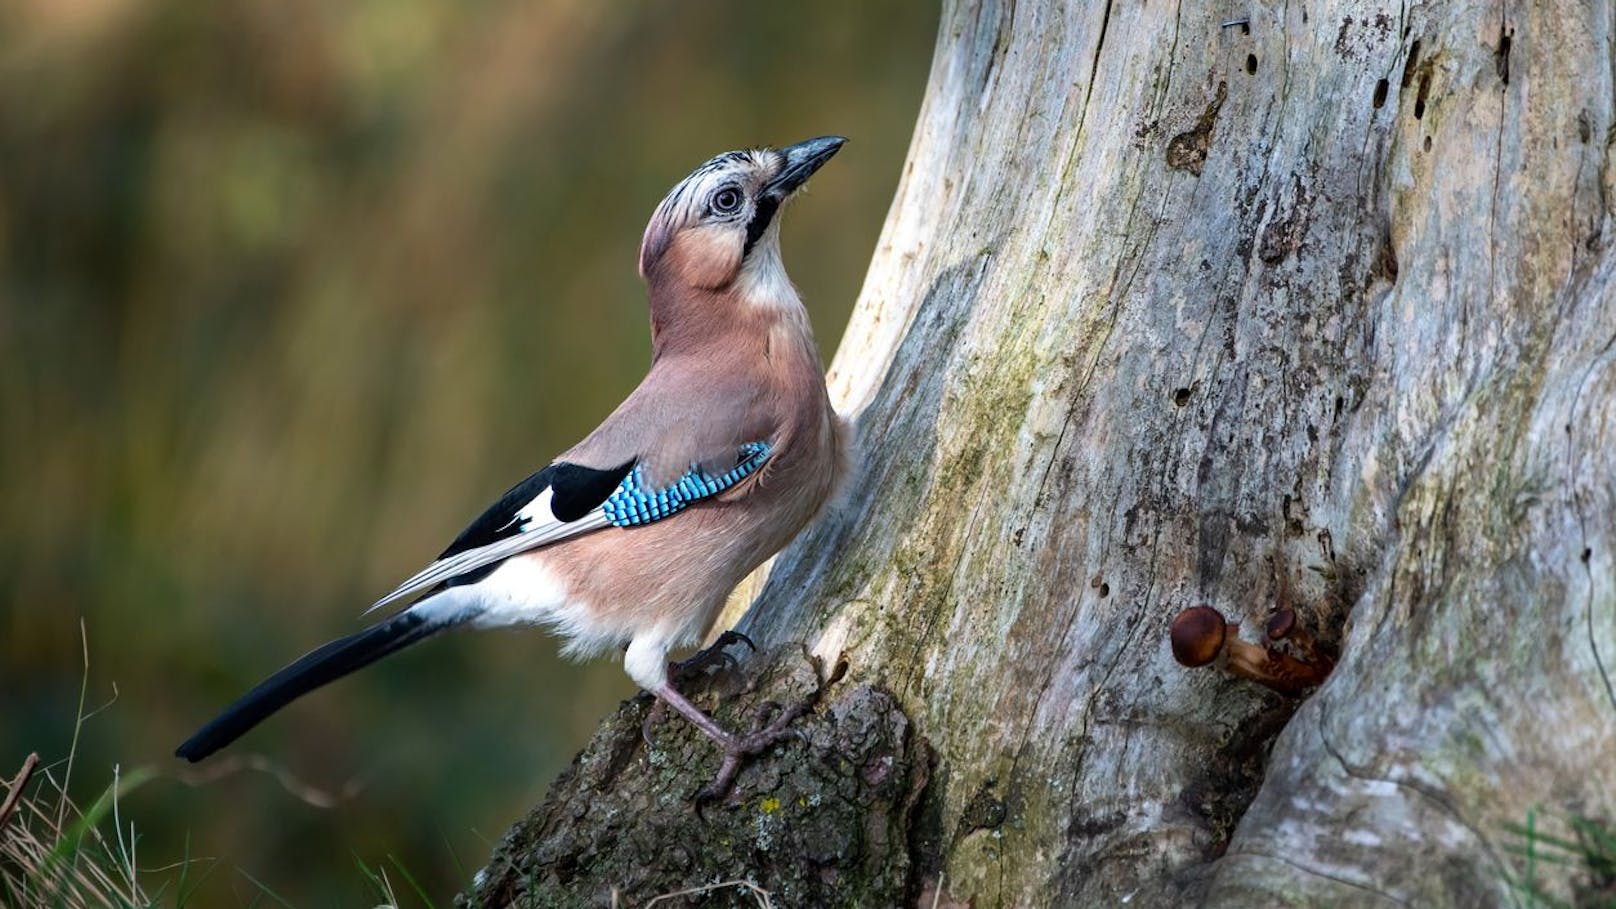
720 227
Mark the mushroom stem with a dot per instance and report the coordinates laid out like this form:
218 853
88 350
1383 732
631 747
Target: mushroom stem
1281 672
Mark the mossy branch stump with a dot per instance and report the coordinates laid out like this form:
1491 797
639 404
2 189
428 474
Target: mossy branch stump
822 822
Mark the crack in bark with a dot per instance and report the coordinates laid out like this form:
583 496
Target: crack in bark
1094 70
1582 524
912 677
1003 23
1118 294
1082 113
1492 214
1111 665
1325 875
1268 156
1166 86
1066 425
1434 798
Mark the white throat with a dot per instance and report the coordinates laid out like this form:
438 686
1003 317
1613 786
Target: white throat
763 281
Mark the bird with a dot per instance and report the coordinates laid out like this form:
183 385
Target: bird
634 537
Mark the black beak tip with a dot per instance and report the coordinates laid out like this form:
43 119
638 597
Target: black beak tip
803 159
819 149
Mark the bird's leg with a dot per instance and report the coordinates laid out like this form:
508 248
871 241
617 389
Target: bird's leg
737 748
685 670
771 725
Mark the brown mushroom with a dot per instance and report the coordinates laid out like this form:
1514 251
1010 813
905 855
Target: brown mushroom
1285 626
1200 635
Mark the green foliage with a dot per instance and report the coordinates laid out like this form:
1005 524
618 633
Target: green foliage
1586 858
288 291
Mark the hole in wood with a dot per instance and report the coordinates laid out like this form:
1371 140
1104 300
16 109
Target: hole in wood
1413 61
1385 264
1427 143
1181 396
1380 94
1419 99
1251 63
1504 40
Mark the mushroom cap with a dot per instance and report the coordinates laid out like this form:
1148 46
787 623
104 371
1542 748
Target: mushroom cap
1281 624
1198 634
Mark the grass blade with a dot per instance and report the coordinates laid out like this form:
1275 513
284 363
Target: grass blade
414 884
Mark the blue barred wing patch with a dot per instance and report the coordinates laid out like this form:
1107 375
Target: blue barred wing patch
634 503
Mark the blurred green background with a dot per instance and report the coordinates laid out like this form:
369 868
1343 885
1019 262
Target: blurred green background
289 290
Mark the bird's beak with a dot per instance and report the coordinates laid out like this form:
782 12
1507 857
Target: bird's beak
802 160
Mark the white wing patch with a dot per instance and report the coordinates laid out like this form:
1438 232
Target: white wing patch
540 528
538 509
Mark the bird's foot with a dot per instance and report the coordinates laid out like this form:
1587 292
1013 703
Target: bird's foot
765 734
715 656
771 724
693 667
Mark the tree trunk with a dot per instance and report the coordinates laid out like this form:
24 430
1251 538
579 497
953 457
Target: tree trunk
1311 310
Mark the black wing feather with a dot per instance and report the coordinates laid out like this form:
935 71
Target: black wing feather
580 490
576 490
497 522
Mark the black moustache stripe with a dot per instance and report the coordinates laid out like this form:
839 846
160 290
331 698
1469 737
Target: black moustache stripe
766 207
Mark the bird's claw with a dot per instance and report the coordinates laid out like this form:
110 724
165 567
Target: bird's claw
715 655
765 734
696 665
652 717
761 716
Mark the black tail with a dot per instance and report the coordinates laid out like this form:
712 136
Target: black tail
319 667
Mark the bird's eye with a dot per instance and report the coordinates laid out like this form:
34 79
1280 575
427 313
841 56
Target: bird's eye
727 201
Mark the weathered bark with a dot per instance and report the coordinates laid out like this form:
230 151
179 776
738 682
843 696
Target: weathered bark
1316 310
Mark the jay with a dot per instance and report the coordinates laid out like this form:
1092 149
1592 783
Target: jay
635 536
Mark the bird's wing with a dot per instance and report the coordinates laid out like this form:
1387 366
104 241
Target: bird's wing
552 504
564 500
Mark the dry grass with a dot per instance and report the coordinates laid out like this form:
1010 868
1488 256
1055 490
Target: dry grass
757 893
52 852
55 853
